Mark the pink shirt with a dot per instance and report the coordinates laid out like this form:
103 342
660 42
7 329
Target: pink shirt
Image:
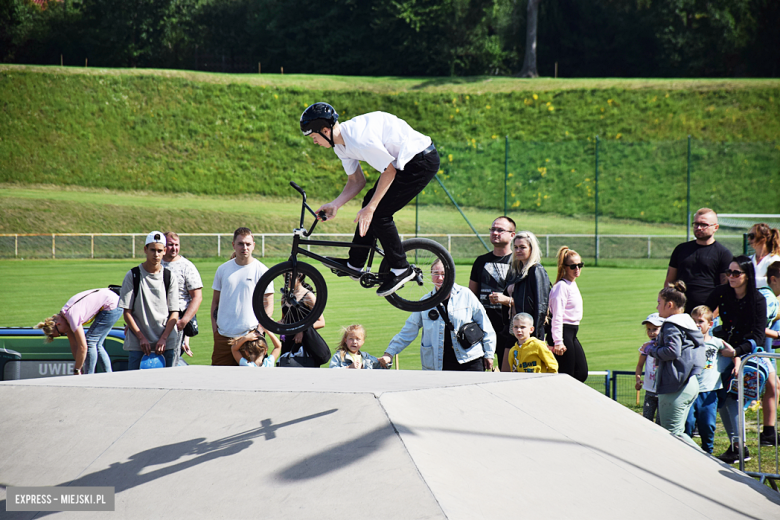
566 307
83 306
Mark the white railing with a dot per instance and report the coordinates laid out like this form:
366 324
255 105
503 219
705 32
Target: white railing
200 245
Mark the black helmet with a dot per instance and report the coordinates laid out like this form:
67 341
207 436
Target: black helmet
318 116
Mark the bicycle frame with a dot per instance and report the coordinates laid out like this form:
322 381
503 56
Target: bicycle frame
301 232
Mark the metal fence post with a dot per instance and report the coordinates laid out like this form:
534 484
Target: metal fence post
688 212
547 239
263 248
219 244
597 201
53 246
132 238
92 246
648 246
506 169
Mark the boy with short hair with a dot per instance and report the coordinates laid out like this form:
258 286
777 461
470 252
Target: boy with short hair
530 354
151 314
705 407
652 326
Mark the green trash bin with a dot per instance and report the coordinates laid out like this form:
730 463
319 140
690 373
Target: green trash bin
10 365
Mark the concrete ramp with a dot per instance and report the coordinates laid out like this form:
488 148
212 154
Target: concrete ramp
230 442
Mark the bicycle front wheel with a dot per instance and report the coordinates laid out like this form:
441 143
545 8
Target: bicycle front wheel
422 254
299 297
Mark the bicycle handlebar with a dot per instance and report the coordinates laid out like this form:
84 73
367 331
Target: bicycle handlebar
299 190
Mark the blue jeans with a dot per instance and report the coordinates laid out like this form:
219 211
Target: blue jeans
134 358
703 413
673 408
96 336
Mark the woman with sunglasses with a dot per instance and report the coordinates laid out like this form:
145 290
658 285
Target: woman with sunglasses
97 305
766 243
742 311
566 309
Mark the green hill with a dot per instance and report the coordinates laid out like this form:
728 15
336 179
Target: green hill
213 134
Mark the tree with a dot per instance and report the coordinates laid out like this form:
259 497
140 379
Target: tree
529 62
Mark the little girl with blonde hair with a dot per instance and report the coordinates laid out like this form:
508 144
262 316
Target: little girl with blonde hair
349 355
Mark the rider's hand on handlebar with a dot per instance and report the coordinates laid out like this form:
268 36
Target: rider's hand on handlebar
329 209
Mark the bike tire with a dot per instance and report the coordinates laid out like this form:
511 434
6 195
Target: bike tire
422 253
298 317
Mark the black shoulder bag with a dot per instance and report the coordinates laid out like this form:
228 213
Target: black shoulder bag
468 335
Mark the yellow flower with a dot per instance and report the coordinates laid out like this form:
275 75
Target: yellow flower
449 157
618 136
516 204
536 97
276 97
467 98
494 136
457 110
551 109
487 107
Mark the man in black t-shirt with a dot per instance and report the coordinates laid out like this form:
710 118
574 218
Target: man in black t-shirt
489 276
700 263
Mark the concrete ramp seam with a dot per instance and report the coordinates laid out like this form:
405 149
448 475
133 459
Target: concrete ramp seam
411 458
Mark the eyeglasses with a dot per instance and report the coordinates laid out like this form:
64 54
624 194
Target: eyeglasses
575 266
499 230
437 274
734 274
702 225
751 236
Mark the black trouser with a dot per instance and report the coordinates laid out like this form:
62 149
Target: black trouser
504 342
573 361
410 181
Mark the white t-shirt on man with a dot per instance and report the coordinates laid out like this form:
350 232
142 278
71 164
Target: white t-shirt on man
379 139
236 286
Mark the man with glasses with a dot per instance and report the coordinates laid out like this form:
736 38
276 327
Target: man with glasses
489 277
700 263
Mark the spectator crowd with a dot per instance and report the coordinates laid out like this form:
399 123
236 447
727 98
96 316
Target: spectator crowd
713 310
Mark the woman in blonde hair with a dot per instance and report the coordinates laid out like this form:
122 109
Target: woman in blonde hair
566 308
529 290
87 349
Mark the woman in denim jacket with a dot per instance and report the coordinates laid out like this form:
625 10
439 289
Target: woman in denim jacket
439 348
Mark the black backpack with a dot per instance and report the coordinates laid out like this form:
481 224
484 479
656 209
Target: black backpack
137 283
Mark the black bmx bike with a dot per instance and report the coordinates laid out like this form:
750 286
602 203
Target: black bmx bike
296 312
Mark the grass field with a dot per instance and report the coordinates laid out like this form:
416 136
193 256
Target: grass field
616 301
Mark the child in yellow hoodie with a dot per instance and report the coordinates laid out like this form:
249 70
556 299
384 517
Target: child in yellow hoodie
530 354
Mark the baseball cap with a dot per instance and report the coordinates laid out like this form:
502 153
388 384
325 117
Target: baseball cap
155 237
654 319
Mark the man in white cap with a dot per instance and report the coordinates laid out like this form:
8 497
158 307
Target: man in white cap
150 299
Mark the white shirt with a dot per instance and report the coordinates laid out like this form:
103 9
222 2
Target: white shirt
236 285
761 268
380 139
189 279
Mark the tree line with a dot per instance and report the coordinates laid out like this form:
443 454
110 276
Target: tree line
598 38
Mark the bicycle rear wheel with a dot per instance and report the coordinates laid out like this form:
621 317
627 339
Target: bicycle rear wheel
291 314
422 253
